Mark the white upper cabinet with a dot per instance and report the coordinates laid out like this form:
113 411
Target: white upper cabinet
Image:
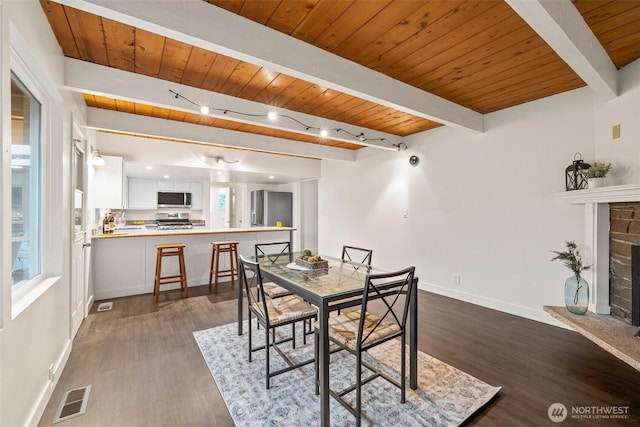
176 186
142 194
108 183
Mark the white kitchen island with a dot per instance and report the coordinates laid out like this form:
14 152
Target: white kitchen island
124 262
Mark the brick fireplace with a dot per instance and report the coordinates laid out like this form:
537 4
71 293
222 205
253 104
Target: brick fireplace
624 261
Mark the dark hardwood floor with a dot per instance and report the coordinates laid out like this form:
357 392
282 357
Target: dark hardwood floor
146 369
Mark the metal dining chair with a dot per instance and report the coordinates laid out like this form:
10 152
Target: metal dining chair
356 256
272 313
273 252
361 330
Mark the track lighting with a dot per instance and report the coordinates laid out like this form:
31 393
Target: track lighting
272 116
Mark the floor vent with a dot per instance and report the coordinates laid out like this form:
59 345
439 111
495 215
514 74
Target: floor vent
105 306
74 404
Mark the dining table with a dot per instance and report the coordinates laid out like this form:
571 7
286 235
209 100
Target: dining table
337 287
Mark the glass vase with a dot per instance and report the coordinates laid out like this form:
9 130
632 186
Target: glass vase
576 295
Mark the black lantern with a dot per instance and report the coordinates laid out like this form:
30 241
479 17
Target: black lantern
574 176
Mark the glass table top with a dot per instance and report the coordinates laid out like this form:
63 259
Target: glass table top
338 279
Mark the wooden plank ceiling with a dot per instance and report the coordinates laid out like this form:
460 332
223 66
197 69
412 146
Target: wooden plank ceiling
479 54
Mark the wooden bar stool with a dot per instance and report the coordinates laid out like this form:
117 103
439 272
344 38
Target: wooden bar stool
214 272
167 250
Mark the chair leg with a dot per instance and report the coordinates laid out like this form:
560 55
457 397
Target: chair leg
215 274
358 388
250 344
267 348
213 253
293 334
304 332
316 351
402 370
184 287
156 285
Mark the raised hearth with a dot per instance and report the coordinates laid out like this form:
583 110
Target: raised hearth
612 334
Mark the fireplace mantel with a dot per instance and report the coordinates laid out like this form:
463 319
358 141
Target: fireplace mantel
612 194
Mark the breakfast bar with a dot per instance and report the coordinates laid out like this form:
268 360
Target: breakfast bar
123 262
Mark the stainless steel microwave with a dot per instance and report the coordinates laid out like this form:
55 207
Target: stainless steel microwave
172 199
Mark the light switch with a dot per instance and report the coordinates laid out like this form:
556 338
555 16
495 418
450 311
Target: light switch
405 213
616 132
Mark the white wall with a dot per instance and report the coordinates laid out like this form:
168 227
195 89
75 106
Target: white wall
40 335
481 206
623 153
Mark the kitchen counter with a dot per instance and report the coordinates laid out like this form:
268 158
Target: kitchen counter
123 263
142 231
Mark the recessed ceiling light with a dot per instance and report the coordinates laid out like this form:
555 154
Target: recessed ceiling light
272 115
204 110
271 177
324 133
149 167
167 177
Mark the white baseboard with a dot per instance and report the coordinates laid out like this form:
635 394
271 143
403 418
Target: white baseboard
49 386
506 307
90 302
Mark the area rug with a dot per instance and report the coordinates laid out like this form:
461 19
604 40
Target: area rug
445 396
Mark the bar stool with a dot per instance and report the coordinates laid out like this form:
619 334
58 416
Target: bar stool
167 250
214 271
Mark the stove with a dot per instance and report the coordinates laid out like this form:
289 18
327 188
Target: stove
173 221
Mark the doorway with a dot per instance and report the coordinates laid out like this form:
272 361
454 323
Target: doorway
79 245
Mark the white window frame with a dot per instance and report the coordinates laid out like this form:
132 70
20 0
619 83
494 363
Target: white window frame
26 68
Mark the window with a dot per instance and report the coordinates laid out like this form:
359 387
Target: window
26 184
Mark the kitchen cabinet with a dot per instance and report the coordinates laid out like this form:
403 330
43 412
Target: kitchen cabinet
196 195
176 186
108 183
142 193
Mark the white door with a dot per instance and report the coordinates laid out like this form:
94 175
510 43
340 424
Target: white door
220 217
78 286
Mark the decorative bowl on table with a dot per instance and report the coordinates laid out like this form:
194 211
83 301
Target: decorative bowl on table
314 262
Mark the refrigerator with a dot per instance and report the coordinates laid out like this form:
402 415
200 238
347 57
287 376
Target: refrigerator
269 207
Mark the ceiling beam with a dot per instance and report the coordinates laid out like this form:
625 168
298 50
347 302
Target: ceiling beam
560 24
206 26
134 124
87 77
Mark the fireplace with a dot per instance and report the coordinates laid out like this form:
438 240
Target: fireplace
635 285
624 261
609 213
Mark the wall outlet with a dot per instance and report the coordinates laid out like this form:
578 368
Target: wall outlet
405 213
456 279
52 374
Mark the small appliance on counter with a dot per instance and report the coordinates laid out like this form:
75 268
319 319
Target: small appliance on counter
173 221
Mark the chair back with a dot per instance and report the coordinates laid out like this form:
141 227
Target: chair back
252 279
273 251
358 257
389 289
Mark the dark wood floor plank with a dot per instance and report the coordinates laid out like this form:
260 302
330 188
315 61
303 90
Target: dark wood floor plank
146 369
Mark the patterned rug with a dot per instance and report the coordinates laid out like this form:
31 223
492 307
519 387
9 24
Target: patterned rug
445 396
